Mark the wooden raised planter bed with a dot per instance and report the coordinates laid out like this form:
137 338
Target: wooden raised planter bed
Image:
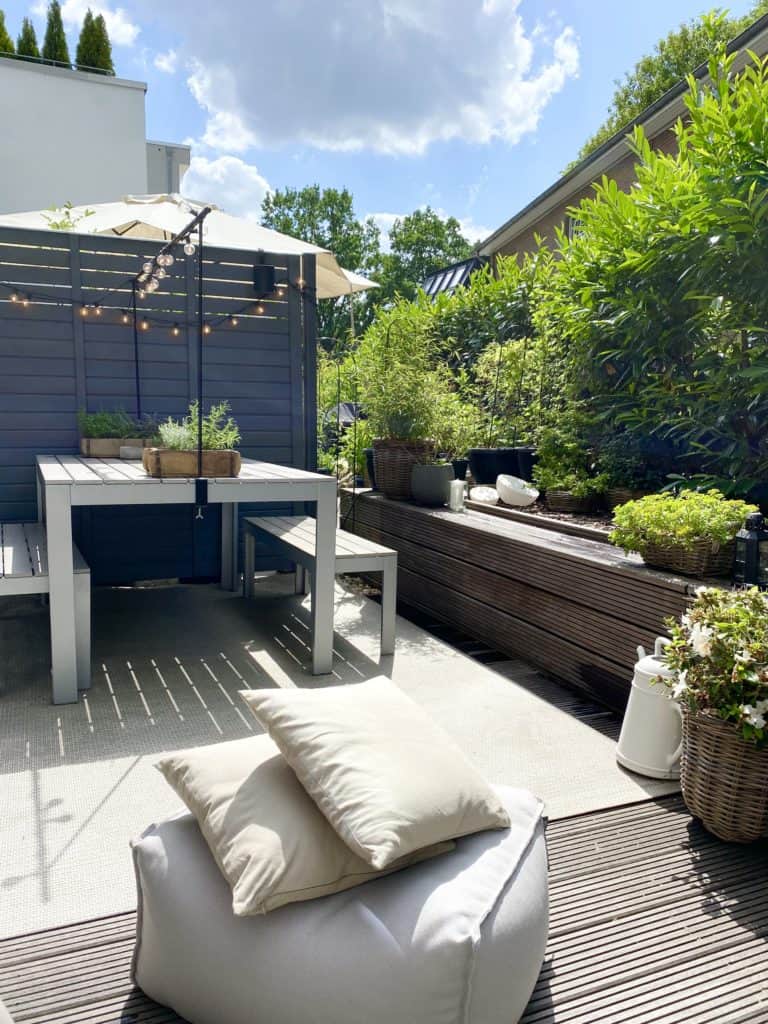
109 447
573 606
170 462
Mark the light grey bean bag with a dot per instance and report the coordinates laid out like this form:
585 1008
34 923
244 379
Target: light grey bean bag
455 940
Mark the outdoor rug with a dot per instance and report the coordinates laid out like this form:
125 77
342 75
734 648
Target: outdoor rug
78 780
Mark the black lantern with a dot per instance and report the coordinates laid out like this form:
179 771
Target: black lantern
750 566
263 280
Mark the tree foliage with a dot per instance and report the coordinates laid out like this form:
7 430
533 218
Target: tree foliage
419 243
660 296
672 59
94 50
55 42
26 45
326 217
6 43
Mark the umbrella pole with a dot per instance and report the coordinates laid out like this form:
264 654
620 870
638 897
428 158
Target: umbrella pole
136 352
200 349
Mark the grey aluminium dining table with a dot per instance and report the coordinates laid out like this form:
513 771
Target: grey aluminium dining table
68 481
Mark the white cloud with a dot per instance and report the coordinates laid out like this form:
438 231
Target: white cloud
122 31
229 182
472 232
166 62
384 222
391 76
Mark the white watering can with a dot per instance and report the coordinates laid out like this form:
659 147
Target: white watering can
652 732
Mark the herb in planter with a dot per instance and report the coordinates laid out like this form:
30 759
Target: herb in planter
220 432
107 424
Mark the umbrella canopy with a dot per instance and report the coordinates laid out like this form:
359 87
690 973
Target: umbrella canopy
160 217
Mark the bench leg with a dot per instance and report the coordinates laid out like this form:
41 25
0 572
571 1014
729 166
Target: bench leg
249 567
388 608
83 629
302 580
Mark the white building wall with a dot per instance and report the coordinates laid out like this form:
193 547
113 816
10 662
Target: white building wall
68 136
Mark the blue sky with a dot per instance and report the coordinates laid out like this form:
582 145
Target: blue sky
471 106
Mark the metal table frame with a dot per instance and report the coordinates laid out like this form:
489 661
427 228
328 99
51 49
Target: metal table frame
66 481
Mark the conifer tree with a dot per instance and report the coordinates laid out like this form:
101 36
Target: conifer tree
85 55
26 45
6 43
103 45
55 43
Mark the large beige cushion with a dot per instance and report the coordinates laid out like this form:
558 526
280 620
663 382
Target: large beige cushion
267 836
388 779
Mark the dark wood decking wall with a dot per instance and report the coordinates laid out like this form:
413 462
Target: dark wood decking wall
653 921
574 607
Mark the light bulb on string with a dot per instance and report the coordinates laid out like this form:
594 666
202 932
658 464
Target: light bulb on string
175 330
25 301
147 267
189 249
259 310
97 309
83 311
125 318
233 321
160 273
145 325
14 297
141 293
169 259
206 328
153 284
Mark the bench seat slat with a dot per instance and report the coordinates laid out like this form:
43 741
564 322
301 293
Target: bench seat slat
17 563
299 532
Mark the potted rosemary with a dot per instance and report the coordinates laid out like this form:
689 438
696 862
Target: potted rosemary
178 456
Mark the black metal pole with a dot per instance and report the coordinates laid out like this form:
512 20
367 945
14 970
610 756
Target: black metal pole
136 352
200 348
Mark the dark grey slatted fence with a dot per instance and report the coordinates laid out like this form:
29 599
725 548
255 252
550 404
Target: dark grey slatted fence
54 361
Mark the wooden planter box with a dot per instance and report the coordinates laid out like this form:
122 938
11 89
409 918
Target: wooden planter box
109 447
168 462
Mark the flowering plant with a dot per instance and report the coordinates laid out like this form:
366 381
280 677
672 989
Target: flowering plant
719 651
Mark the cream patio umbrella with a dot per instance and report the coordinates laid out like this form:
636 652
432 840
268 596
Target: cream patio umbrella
160 217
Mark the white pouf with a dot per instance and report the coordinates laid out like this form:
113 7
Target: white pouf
456 939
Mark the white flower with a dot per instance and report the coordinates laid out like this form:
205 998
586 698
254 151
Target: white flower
753 715
701 640
744 657
685 619
678 690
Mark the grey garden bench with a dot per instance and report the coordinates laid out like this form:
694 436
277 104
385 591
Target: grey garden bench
295 535
24 570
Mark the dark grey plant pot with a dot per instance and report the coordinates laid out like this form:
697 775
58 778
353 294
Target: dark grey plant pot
460 467
487 463
430 485
369 465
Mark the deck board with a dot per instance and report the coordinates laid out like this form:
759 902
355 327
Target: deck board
653 921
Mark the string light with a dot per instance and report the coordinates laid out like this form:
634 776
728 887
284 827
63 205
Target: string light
233 321
300 282
160 272
141 293
145 325
83 311
259 310
14 297
125 318
147 267
206 328
25 301
175 330
189 249
97 309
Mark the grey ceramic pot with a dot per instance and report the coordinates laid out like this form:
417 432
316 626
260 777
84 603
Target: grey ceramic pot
430 485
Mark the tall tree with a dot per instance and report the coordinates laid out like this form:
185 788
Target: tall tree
326 217
672 59
55 42
26 45
6 43
419 243
85 55
104 45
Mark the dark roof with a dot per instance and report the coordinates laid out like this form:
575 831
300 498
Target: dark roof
448 278
740 42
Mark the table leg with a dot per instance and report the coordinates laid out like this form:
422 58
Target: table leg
323 579
61 578
229 545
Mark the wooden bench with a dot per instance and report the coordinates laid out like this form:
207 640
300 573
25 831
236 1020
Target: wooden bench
24 570
295 535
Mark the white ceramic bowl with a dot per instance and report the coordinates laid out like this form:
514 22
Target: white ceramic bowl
513 490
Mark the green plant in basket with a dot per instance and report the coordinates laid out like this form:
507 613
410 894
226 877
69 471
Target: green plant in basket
113 423
669 520
719 651
220 431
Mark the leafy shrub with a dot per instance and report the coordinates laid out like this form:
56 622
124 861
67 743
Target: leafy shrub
667 519
719 651
116 423
565 462
219 429
624 460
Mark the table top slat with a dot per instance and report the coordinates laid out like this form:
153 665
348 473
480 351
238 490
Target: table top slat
78 470
132 471
52 470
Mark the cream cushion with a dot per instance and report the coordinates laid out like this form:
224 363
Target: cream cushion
267 836
387 778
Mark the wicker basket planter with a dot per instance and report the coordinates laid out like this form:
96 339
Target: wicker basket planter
393 461
109 447
724 779
566 501
615 496
169 462
702 559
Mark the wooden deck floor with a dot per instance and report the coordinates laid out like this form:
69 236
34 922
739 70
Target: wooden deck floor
653 922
